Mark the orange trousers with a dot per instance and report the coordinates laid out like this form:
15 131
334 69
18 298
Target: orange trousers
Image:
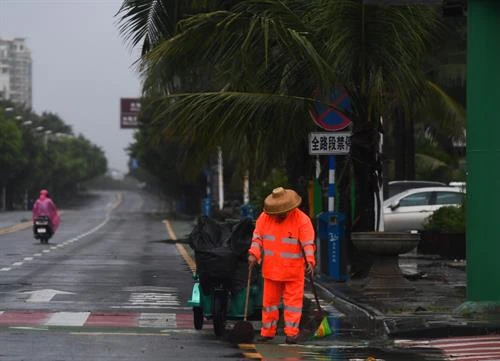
293 294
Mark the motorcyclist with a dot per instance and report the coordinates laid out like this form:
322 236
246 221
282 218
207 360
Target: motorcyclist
44 206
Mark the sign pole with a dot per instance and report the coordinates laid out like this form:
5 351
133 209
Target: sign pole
331 183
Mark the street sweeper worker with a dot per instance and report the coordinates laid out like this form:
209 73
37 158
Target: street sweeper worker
283 235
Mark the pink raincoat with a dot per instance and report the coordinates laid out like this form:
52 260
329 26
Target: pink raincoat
45 207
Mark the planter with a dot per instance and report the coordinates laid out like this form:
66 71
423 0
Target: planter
446 245
385 247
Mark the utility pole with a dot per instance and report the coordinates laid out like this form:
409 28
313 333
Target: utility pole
483 173
220 177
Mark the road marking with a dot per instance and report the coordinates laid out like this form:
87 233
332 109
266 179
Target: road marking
37 254
118 334
77 319
15 228
459 348
180 247
5 269
153 299
29 328
17 264
28 258
46 251
44 295
157 320
250 351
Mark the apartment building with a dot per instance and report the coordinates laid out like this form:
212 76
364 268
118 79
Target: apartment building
16 71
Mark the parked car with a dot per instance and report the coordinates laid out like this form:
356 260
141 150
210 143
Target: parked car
398 186
408 210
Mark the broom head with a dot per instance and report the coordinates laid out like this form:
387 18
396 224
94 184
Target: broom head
242 332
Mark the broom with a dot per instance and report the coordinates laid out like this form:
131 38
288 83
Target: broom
242 331
317 324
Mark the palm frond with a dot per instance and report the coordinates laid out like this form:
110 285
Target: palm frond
146 22
248 124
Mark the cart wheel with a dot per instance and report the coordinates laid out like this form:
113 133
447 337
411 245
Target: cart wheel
219 315
198 318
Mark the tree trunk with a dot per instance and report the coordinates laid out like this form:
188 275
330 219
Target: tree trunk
365 164
405 146
299 168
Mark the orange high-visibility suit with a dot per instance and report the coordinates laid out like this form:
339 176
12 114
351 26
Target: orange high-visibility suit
278 246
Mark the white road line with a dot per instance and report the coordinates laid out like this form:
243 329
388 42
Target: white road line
127 307
5 269
17 264
93 334
28 258
46 251
37 254
157 320
76 319
53 247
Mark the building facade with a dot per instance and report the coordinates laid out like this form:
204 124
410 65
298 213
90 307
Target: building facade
16 72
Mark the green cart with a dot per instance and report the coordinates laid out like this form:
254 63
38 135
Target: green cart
220 304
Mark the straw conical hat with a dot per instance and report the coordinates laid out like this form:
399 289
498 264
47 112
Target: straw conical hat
281 200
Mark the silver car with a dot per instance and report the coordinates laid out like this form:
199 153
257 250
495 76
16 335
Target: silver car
408 210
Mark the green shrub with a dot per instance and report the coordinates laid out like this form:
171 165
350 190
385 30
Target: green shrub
447 219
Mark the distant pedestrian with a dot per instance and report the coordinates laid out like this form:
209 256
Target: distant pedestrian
283 234
44 206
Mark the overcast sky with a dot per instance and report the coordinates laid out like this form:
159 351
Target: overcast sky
81 65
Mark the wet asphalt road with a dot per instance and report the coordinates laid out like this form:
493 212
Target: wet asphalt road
109 286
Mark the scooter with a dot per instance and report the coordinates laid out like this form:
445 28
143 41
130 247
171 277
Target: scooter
42 229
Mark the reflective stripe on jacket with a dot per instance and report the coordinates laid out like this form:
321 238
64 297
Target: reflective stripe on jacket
278 245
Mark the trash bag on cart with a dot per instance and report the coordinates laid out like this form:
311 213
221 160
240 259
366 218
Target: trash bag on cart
220 252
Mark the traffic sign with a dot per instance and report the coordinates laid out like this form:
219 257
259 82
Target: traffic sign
129 112
326 143
332 117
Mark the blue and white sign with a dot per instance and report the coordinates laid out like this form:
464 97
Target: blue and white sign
326 143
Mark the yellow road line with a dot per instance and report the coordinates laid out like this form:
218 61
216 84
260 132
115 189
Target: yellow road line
253 355
16 227
180 247
250 351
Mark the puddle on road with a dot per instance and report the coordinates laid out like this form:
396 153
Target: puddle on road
338 352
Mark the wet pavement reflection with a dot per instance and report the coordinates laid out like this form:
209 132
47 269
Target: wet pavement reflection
345 344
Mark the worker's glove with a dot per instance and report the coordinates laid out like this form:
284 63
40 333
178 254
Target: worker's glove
309 268
252 260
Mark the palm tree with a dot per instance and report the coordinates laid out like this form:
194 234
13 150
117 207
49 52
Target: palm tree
267 58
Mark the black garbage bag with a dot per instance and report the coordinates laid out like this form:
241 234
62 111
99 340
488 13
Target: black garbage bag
220 250
209 234
241 236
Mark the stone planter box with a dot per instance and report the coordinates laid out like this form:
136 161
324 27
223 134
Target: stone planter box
446 245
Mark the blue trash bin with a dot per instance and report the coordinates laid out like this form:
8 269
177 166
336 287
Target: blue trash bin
331 227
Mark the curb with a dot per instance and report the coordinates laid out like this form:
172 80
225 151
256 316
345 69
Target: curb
378 324
361 315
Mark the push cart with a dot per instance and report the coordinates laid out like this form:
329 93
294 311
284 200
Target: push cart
221 304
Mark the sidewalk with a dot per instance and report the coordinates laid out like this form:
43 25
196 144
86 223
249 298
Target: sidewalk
427 310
